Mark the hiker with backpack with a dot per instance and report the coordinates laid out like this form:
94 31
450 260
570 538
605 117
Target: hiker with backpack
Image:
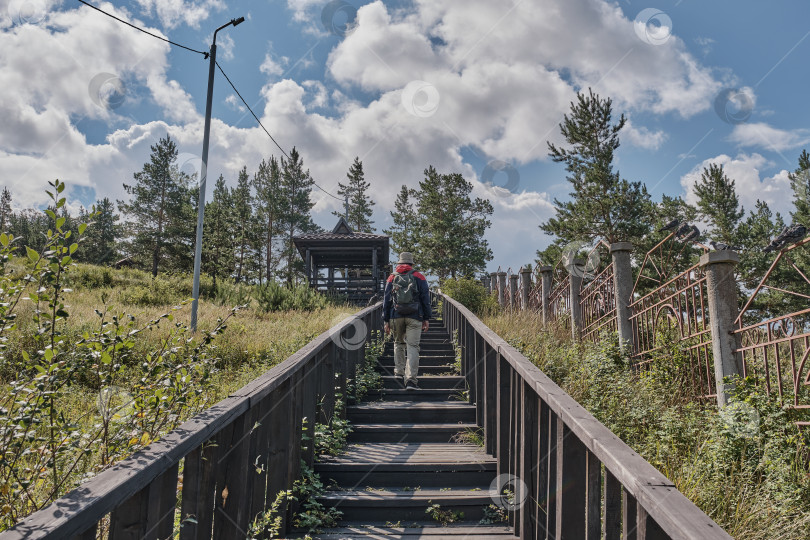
406 312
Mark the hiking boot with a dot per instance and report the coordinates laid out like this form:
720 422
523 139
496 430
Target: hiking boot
411 385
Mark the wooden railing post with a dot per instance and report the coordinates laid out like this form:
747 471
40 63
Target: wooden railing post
721 289
546 281
502 289
576 271
622 290
525 287
528 462
571 484
490 399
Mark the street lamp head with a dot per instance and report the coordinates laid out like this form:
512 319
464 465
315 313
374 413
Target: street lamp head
237 22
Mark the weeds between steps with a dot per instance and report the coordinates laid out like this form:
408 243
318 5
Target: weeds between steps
445 517
329 440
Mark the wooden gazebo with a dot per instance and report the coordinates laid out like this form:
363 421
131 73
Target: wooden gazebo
356 263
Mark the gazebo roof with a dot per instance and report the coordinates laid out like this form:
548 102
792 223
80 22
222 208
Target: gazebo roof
343 247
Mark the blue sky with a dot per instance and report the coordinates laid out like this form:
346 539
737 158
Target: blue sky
456 84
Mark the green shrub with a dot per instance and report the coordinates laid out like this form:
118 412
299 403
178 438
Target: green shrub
471 293
275 297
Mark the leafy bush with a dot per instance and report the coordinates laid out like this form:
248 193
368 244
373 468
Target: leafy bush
275 297
471 293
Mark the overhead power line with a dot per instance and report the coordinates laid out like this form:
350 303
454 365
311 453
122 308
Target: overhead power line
205 54
264 128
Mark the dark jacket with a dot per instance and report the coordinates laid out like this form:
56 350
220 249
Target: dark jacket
424 312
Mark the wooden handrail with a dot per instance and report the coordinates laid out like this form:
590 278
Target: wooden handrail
140 492
548 440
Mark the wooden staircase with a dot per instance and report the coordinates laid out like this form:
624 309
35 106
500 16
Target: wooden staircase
404 455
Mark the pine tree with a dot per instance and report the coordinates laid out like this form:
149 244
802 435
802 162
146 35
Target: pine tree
5 209
270 208
403 231
800 184
451 226
602 205
243 218
719 204
218 241
158 211
99 241
296 187
360 204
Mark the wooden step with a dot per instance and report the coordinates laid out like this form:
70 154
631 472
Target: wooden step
424 371
420 465
447 382
403 412
420 529
408 433
391 504
427 345
423 394
424 360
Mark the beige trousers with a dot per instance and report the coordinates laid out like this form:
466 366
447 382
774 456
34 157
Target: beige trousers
407 333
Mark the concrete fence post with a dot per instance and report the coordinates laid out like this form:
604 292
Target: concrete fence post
721 289
485 280
576 271
546 277
622 289
525 287
513 291
502 289
493 282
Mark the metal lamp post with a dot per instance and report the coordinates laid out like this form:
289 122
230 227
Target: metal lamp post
204 172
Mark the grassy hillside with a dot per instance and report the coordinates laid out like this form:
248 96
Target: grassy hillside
120 367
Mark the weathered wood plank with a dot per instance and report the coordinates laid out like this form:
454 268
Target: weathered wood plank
491 394
629 521
647 528
571 484
528 462
612 510
593 511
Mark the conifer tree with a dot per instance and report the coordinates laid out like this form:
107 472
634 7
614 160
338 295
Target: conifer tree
800 184
451 226
5 209
218 240
99 243
270 208
296 188
159 207
360 203
719 204
602 205
242 203
402 232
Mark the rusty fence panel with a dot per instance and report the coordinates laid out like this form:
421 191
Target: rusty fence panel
598 300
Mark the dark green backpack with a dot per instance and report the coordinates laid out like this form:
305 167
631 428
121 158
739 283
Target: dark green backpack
404 293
